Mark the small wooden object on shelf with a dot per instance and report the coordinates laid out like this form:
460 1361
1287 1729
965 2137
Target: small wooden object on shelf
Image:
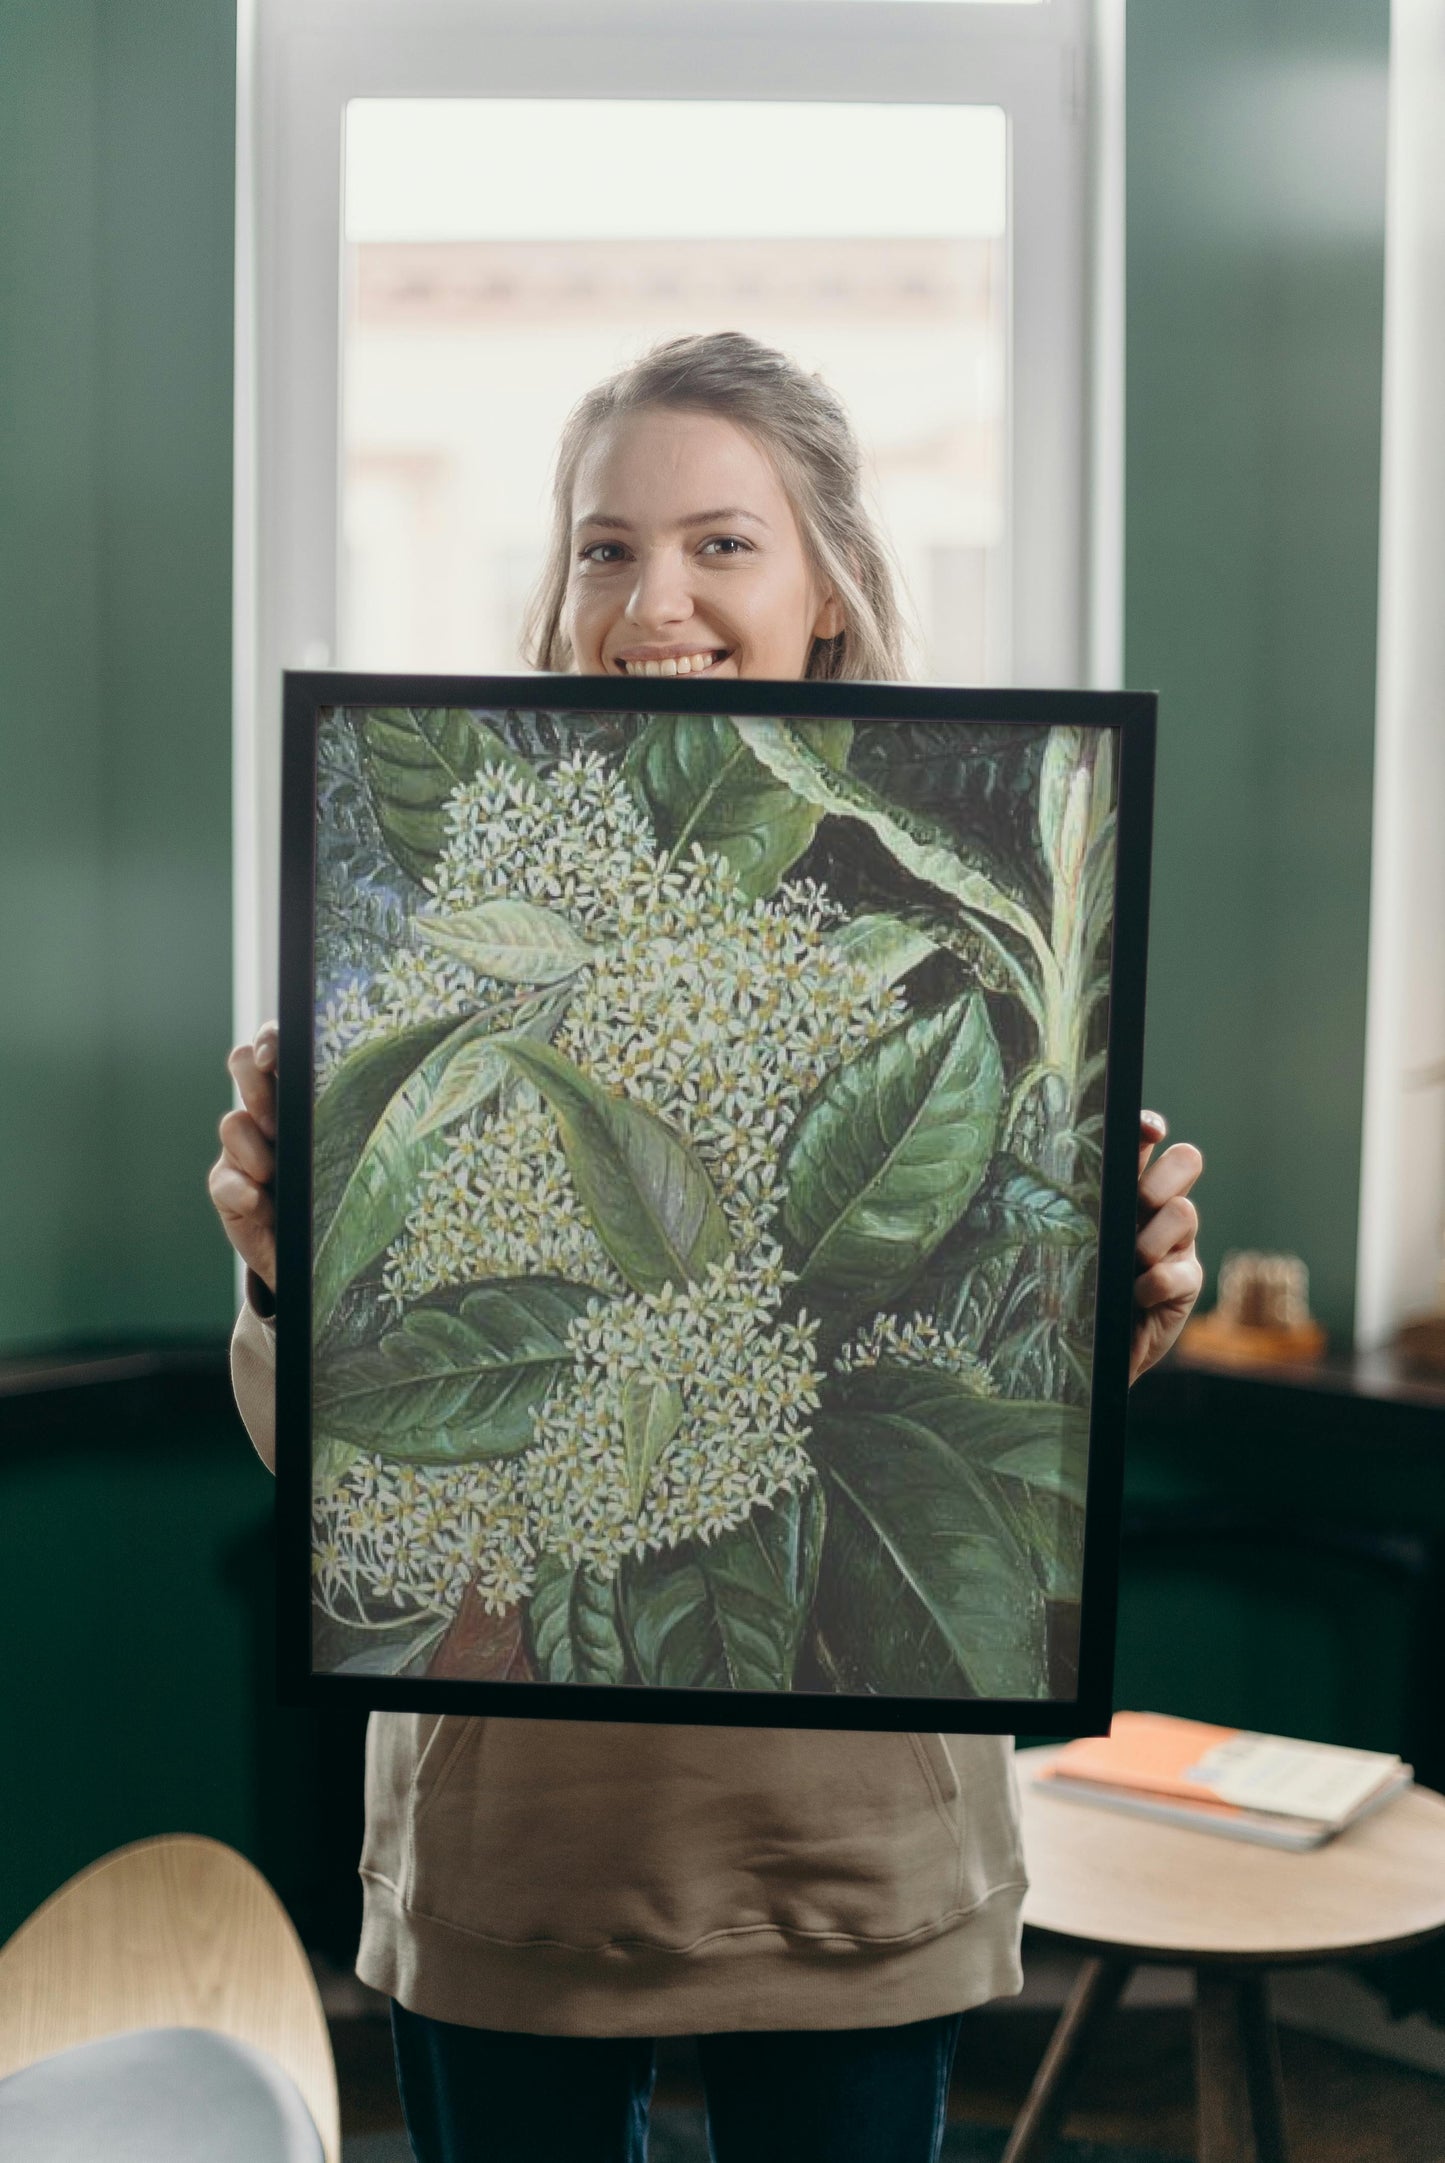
1262 1317
1420 1342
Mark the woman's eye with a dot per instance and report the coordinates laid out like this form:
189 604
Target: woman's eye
602 552
727 544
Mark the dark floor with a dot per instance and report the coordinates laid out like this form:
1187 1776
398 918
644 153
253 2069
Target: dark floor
1342 2105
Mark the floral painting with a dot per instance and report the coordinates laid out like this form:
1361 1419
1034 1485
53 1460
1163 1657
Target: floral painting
707 1134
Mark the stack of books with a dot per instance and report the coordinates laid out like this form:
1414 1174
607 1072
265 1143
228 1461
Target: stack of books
1229 1780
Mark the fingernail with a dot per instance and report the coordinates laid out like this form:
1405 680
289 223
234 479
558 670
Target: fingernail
1156 1119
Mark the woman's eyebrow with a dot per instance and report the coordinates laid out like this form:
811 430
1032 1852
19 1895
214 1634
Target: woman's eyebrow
723 517
730 515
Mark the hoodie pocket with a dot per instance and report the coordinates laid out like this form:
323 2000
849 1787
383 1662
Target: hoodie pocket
939 1775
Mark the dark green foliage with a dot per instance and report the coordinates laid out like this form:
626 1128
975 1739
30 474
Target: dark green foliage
1017 1206
729 1613
573 1626
703 788
926 1589
364 1161
888 1154
650 1201
457 1380
412 761
944 1177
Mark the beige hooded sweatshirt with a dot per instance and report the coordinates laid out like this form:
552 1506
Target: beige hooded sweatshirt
564 1877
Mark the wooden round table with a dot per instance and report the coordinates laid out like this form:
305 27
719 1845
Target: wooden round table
1124 1889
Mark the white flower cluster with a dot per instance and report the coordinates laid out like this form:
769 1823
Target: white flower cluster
415 1536
918 1342
748 1388
577 843
718 1012
721 1014
413 987
500 1204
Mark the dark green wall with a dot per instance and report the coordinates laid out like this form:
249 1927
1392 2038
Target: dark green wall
117 133
1256 138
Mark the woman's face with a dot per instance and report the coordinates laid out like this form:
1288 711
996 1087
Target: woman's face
686 556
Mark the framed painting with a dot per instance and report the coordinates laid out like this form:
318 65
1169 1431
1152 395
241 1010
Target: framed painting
707 1150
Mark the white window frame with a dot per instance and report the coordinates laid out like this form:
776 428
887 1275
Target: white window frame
1402 1161
1056 69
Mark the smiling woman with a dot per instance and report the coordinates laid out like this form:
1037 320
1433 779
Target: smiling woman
698 1080
646 577
676 592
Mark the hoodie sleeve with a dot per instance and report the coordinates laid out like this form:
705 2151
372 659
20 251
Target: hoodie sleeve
253 1368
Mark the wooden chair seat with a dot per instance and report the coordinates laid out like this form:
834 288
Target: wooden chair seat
176 1932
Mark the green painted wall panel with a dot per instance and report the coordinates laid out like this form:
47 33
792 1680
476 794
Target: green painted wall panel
54 1158
167 139
123 1566
117 133
1255 264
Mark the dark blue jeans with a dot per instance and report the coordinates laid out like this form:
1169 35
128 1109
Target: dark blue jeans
831 2095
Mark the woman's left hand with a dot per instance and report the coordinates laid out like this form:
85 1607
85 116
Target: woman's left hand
1168 1275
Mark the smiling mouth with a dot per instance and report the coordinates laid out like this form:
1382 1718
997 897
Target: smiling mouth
681 664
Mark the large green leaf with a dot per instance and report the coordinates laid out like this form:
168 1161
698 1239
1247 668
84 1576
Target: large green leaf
413 758
514 941
651 1415
702 786
925 1588
888 1153
374 1123
1065 797
1032 1458
884 946
1040 1484
402 1646
1017 1206
330 1458
458 1379
1042 1443
729 1613
919 844
573 1624
363 1163
651 1202
472 1070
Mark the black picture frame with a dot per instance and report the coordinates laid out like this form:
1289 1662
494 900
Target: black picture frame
1131 717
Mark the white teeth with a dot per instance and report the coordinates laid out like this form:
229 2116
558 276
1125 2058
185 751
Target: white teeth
687 664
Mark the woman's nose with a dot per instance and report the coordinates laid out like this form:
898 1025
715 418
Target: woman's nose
661 595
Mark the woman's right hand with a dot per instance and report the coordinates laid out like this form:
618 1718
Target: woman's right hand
242 1177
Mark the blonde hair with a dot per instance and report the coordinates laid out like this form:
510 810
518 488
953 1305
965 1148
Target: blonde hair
806 431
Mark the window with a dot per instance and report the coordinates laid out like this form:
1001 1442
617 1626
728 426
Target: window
473 318
453 219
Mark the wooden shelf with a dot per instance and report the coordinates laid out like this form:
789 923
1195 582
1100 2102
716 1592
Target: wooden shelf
1370 1397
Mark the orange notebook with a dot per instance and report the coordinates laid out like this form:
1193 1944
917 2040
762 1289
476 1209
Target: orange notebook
1202 1764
